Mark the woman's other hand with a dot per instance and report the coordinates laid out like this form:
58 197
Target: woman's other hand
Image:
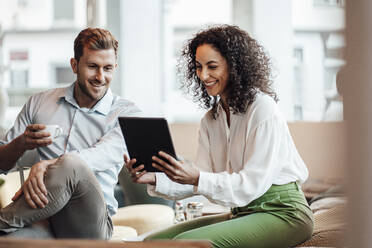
183 172
136 174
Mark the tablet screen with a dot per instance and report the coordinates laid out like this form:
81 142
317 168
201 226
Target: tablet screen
145 137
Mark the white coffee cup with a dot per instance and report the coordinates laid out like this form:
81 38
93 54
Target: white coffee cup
54 130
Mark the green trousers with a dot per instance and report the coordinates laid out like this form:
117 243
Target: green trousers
279 218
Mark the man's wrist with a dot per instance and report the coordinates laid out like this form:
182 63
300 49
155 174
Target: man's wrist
19 144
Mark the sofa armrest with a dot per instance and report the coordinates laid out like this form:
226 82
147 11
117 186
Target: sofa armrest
12 183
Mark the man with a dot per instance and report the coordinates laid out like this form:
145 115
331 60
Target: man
72 185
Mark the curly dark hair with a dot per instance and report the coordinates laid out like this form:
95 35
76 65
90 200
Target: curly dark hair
248 65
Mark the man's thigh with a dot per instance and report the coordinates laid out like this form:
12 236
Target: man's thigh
85 215
76 206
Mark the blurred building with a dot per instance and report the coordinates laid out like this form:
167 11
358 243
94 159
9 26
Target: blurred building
36 41
319 42
304 38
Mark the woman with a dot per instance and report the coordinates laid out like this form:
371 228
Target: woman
246 157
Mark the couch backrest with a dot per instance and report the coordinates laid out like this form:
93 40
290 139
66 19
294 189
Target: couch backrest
322 145
185 137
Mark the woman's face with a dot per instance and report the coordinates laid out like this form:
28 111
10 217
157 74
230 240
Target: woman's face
212 70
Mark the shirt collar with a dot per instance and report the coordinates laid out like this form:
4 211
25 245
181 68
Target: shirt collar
220 108
103 106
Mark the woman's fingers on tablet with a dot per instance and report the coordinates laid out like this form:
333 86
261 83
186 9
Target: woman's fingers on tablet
169 173
163 164
155 165
170 158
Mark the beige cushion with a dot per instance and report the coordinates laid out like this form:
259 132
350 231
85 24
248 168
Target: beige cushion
123 232
331 219
144 217
12 183
329 228
327 203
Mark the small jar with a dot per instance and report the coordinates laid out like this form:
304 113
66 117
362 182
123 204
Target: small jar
180 212
194 210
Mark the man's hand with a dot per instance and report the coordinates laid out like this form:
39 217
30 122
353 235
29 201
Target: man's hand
34 188
143 177
32 138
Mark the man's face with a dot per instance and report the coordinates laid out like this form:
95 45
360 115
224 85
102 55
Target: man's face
94 70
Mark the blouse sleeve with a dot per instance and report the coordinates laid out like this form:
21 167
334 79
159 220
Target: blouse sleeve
168 189
261 165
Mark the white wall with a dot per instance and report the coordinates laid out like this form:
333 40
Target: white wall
177 106
313 75
80 12
141 53
272 27
198 13
306 16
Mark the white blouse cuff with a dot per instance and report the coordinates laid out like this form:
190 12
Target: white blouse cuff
162 183
205 185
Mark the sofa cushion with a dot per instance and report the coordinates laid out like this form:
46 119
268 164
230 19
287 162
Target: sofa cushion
329 227
12 183
123 232
144 217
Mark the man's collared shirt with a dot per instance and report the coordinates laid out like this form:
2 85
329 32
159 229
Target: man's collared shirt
93 134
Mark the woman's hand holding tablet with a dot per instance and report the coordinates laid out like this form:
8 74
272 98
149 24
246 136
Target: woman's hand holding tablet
183 172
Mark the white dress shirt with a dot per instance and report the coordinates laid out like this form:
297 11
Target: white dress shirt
93 134
239 164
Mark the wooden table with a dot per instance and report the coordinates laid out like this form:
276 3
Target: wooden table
69 243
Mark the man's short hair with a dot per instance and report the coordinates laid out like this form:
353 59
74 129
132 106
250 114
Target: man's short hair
95 39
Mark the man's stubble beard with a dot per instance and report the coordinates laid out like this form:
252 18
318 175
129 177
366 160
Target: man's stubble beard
83 88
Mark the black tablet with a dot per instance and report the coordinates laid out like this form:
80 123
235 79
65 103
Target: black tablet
145 137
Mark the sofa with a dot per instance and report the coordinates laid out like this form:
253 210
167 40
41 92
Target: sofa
322 146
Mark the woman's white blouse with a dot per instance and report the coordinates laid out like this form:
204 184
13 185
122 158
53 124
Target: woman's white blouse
240 163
